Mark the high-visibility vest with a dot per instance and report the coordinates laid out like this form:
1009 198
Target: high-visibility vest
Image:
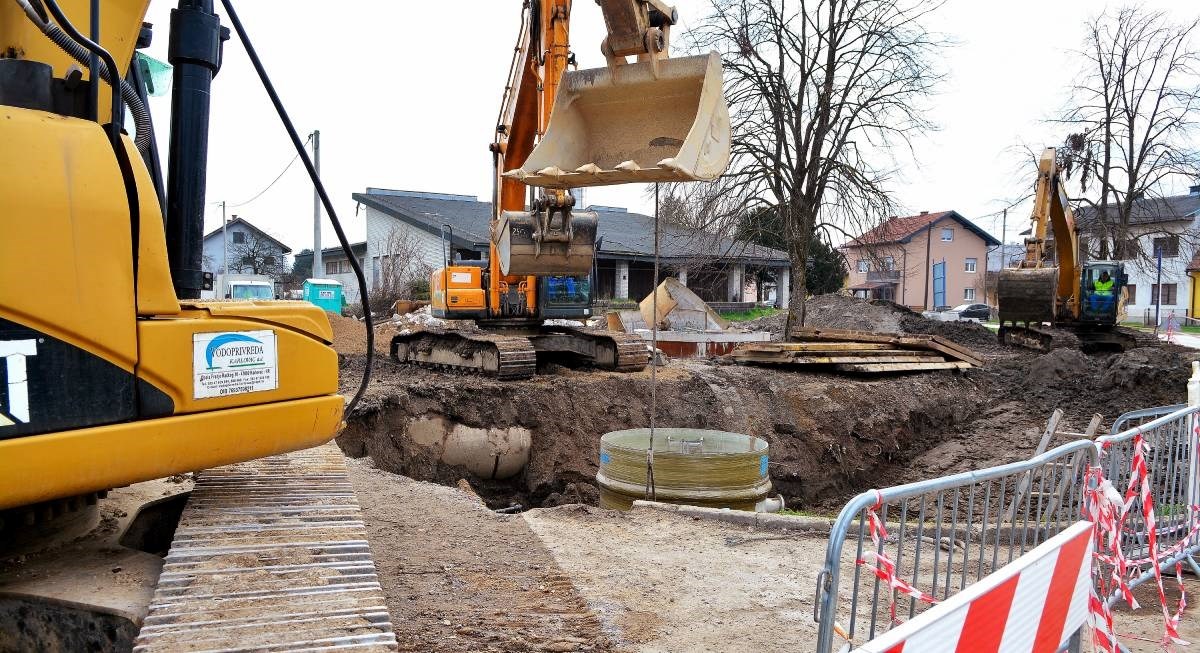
1104 287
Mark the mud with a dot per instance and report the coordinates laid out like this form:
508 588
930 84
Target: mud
830 435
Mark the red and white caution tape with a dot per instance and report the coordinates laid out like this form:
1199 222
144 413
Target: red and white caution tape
883 567
1109 512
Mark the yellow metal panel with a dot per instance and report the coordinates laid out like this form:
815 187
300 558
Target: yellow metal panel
307 366
68 463
120 22
300 316
460 299
65 253
156 293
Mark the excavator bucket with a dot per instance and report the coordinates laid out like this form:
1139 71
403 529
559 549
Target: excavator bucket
1027 295
636 123
564 249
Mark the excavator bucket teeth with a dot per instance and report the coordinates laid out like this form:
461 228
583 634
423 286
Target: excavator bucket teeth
1027 295
559 253
634 123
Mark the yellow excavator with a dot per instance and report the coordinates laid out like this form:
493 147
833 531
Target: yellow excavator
114 372
654 119
1053 298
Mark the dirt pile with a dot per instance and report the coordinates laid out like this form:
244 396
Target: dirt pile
1141 369
840 312
880 316
349 334
1058 366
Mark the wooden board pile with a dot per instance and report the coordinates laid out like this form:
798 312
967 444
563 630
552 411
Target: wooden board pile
860 351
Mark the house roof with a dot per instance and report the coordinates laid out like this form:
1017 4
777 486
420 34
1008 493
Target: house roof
625 234
357 248
1149 210
902 229
246 223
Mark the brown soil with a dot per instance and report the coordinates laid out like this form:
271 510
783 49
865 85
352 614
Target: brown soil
831 435
349 334
458 577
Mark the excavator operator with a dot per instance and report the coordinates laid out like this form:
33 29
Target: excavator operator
1102 293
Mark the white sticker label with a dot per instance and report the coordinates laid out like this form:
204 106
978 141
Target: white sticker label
460 277
324 294
233 363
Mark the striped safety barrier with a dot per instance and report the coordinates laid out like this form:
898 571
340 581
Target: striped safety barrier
1033 605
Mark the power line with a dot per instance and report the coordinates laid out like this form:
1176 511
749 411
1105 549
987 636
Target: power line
273 182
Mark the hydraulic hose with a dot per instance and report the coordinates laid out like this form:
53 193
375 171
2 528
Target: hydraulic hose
316 180
137 110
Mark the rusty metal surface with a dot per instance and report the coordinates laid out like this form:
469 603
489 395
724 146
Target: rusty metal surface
270 554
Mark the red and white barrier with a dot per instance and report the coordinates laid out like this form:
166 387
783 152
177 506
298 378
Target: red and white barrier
1032 605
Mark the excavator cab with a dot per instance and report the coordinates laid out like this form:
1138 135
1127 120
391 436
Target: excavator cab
1102 289
566 297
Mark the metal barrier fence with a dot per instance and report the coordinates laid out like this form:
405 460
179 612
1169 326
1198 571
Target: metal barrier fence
942 534
1170 454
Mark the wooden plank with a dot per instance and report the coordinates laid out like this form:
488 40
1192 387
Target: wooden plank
936 343
813 346
835 360
902 367
1023 486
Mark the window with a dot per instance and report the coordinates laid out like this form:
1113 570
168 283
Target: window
970 264
889 263
863 265
947 235
1168 245
331 267
968 294
374 269
248 261
269 260
1168 294
1131 289
239 238
1127 250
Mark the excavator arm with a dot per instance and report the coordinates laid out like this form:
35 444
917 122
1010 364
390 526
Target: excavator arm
1045 288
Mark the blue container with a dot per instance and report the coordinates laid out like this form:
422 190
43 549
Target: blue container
325 293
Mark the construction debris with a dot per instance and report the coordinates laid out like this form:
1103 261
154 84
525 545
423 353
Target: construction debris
845 350
687 326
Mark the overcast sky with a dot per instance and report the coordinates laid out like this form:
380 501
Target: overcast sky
406 94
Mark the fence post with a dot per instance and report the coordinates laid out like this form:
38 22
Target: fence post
1193 391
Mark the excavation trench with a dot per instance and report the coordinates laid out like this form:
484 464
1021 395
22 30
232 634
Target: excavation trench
536 442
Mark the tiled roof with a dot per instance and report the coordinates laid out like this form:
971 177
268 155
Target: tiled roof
902 229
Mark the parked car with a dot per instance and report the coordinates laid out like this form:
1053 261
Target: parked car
972 311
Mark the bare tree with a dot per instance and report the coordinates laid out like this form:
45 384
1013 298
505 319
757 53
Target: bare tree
403 273
256 254
818 91
1137 108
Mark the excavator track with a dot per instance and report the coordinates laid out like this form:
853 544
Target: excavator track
1044 338
511 357
507 357
631 352
272 555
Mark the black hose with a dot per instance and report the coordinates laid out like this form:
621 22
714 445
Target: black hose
316 180
80 48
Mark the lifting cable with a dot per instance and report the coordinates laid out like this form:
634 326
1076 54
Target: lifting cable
316 180
650 494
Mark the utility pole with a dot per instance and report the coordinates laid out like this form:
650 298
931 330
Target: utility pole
318 271
1003 239
1158 284
224 241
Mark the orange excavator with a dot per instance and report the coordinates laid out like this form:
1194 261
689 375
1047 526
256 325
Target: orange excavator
654 119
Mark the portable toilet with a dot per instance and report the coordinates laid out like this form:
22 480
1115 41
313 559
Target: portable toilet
325 293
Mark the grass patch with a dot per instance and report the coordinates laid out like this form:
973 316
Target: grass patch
807 513
1188 328
752 314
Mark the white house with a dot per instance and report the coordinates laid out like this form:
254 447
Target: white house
1170 225
251 250
717 268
